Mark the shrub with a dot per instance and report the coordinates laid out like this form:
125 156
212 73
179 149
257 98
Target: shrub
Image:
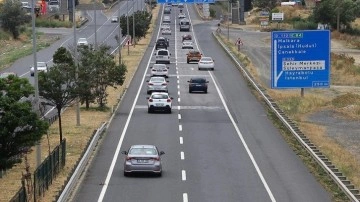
302 25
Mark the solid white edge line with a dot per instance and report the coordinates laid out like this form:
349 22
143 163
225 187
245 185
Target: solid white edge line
185 197
183 175
182 155
181 139
180 127
117 151
243 142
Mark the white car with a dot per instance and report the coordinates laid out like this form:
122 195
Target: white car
165 26
159 101
41 67
159 70
166 31
187 45
166 19
157 84
114 19
181 16
82 42
206 63
162 56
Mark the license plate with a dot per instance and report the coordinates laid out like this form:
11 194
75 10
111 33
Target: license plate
159 104
142 161
198 85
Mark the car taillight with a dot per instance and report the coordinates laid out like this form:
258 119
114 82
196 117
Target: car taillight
150 100
128 158
168 100
164 70
156 158
150 84
164 84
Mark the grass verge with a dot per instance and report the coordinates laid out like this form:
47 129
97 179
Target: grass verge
298 109
77 137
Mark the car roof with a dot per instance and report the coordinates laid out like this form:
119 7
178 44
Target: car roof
159 65
157 78
142 146
159 93
206 58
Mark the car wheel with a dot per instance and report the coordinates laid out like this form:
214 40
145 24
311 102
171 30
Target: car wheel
169 111
148 92
156 62
190 91
159 174
212 69
31 74
199 68
205 91
188 61
149 110
169 62
126 174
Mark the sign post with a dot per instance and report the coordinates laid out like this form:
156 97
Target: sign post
300 59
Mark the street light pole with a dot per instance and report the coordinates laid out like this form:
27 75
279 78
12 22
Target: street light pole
95 42
119 37
36 79
76 63
127 18
228 28
133 23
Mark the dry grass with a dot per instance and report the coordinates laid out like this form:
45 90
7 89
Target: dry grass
76 136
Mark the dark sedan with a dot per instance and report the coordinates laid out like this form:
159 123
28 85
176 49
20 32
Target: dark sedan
198 84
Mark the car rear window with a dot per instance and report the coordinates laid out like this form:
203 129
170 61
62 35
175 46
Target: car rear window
142 151
206 59
157 79
159 96
198 80
162 53
159 67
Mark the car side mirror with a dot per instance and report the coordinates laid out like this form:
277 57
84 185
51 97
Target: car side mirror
168 67
207 81
188 81
147 80
161 153
124 152
147 97
150 67
167 81
171 98
170 53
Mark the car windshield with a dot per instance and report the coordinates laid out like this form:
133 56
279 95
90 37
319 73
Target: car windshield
206 59
187 43
198 80
143 151
53 3
184 23
195 53
82 40
41 64
159 66
159 96
157 79
162 53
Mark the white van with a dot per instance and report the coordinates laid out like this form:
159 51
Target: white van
184 25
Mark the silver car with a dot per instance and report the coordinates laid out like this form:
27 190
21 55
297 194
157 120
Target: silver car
41 67
157 84
143 158
159 70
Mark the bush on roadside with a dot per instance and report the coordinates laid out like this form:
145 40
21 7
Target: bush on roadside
212 13
52 23
305 25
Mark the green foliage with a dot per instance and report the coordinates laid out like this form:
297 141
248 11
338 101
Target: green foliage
52 23
305 25
265 4
100 63
58 85
142 24
21 128
12 16
212 13
327 11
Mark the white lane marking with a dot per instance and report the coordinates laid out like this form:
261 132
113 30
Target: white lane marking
177 72
192 68
185 197
117 151
183 175
177 76
181 140
243 142
235 126
182 155
177 81
179 116
178 92
178 99
178 86
179 107
180 127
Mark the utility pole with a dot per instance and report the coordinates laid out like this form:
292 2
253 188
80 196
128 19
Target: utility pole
228 21
36 79
76 63
127 18
95 42
133 38
119 38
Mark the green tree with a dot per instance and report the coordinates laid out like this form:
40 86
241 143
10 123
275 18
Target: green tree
142 24
21 128
58 85
335 12
12 17
265 4
103 72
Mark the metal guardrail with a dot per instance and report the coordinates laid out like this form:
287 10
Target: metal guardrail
338 177
81 166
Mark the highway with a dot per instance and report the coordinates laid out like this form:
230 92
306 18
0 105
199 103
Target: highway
219 146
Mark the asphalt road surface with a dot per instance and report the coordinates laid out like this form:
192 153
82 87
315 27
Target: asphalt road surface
219 146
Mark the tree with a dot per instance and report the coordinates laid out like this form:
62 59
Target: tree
103 72
12 16
265 4
21 128
58 85
142 24
335 13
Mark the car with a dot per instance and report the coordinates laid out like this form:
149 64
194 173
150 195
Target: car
166 19
159 101
159 70
162 56
181 16
206 63
166 31
193 55
175 4
186 37
54 6
162 43
198 84
7 74
114 19
157 84
82 42
143 158
164 26
187 45
184 25
167 10
180 5
41 67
